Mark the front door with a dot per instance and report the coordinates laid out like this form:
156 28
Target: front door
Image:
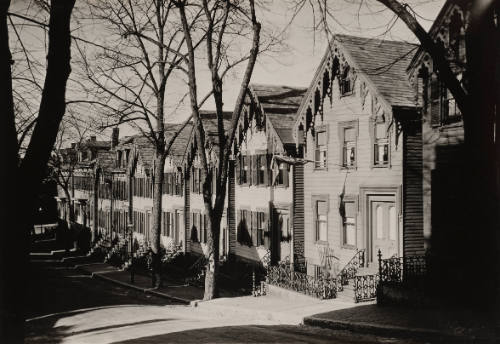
383 226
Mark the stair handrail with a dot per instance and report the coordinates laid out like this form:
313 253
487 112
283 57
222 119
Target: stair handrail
351 268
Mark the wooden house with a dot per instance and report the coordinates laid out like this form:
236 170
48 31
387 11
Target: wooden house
262 190
358 127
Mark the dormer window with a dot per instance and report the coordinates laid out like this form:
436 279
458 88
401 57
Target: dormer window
346 85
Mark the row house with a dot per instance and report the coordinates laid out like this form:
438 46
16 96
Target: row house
442 124
262 190
87 160
358 128
196 220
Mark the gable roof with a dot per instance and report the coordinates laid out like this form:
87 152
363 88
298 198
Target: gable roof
384 63
280 104
209 120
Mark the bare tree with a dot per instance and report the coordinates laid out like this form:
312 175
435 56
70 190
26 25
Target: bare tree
130 75
224 20
23 176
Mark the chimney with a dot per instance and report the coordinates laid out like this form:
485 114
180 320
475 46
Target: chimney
93 139
114 137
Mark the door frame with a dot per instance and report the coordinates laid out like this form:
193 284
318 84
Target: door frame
366 192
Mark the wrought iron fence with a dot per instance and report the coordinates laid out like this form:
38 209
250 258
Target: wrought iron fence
321 287
400 270
365 287
350 269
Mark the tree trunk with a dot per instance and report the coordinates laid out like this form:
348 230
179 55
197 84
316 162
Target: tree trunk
23 181
212 267
156 225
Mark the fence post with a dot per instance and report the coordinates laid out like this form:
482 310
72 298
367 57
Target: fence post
253 282
379 263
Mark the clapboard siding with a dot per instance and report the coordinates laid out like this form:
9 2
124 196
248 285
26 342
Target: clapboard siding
298 213
231 211
330 182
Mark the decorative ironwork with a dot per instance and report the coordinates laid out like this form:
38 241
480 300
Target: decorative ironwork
365 287
322 287
350 269
401 270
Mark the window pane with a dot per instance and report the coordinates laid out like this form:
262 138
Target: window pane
350 232
350 210
392 223
321 141
380 132
322 230
349 134
380 222
321 208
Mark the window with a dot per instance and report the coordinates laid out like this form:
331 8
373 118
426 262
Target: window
244 171
194 228
349 225
196 180
244 236
127 156
321 220
261 169
380 146
321 150
443 106
449 108
169 224
346 82
260 228
349 148
282 177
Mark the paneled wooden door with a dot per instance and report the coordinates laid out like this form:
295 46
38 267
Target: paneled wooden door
384 231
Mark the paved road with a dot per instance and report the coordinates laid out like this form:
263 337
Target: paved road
68 307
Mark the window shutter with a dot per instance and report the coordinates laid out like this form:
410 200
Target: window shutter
435 107
254 228
267 231
238 226
237 166
285 174
269 170
263 159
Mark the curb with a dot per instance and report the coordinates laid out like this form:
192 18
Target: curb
391 331
132 286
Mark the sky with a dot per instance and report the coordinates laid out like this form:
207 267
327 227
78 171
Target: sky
297 59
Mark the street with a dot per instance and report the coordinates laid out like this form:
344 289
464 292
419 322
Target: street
66 306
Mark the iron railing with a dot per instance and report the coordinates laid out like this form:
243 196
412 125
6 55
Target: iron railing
365 287
350 269
321 287
402 270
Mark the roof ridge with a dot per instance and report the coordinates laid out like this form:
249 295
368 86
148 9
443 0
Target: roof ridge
375 39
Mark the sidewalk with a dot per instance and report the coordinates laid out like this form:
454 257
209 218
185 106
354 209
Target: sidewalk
442 325
172 289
